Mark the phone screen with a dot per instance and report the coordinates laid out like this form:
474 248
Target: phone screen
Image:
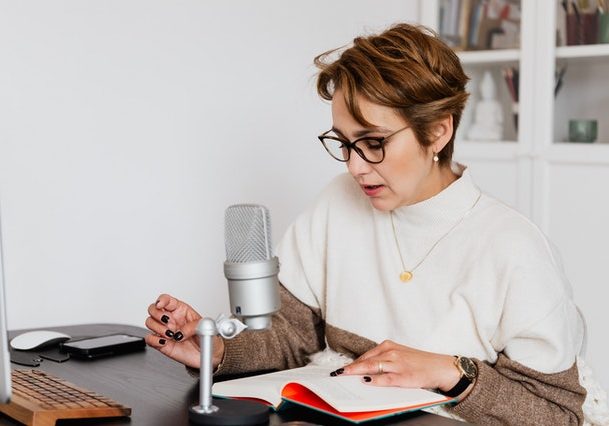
104 341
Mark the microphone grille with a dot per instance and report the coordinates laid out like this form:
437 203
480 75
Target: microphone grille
247 233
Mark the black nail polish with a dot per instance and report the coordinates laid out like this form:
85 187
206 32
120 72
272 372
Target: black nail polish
162 341
367 379
333 373
165 319
178 336
340 371
169 333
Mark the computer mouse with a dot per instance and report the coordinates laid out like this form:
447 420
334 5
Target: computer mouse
37 339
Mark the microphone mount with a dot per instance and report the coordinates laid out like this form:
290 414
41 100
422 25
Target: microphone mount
212 411
253 290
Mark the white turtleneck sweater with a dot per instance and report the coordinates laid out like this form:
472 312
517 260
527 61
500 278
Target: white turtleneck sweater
488 282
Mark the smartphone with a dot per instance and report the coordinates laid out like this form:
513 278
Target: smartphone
102 346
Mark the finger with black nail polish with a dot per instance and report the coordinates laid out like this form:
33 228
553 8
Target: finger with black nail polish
169 333
177 336
162 341
367 379
337 372
164 319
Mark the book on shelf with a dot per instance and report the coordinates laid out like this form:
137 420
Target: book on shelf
449 19
345 397
480 24
582 22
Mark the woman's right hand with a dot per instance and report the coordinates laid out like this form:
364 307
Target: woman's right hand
173 324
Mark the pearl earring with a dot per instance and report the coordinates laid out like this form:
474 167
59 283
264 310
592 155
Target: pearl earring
435 157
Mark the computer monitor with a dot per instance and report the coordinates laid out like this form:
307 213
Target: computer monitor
5 367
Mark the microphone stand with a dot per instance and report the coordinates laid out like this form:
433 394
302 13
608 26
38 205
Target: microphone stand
212 411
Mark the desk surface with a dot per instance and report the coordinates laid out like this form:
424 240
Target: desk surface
160 391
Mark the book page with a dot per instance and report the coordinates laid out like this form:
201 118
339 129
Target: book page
267 386
350 394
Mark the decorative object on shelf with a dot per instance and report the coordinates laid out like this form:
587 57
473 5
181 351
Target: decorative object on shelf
582 130
488 114
480 24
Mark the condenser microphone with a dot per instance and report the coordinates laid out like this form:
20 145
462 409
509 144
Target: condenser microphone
250 267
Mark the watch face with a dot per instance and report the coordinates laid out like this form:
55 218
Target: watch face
468 367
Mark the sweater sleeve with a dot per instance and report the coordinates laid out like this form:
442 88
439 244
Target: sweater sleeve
510 393
297 331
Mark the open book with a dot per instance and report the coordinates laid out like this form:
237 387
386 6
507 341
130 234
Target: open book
341 396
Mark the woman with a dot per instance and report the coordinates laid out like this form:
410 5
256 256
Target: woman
404 263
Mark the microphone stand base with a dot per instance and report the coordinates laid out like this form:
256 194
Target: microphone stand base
231 412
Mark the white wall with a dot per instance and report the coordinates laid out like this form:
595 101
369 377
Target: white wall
127 127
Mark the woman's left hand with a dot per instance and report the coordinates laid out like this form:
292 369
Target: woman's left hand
391 364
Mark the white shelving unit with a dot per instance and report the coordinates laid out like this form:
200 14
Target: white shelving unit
489 56
562 186
583 52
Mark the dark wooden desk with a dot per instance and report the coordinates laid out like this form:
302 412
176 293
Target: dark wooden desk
160 391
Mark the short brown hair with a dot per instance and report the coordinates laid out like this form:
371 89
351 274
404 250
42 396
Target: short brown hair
408 68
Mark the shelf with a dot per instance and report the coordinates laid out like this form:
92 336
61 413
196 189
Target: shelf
578 153
557 153
482 57
487 150
587 51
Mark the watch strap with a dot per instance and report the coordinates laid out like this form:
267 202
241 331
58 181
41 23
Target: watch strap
458 389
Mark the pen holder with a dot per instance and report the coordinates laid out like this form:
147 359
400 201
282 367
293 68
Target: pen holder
582 28
583 130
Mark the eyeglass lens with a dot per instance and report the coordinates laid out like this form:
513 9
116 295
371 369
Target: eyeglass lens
370 150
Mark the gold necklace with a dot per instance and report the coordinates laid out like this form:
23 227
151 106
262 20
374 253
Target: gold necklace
406 274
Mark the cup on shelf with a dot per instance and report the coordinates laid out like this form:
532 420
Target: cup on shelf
582 130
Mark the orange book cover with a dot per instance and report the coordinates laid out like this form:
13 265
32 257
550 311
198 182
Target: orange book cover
298 394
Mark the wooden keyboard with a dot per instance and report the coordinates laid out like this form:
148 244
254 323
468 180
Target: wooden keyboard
40 399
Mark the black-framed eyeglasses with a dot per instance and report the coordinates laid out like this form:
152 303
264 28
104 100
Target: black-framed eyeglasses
370 148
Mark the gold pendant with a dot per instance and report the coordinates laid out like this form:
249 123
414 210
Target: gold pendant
405 276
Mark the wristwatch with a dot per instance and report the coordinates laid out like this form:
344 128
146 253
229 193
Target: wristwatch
469 372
